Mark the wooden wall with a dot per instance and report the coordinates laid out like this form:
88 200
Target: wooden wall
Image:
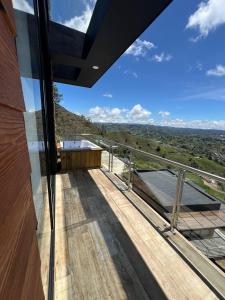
19 257
78 159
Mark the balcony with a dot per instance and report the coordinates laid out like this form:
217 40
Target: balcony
110 244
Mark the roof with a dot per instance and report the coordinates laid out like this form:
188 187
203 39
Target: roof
162 184
198 210
114 26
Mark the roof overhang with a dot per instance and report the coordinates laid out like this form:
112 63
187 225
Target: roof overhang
114 26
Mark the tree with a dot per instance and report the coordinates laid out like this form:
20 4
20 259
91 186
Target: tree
57 97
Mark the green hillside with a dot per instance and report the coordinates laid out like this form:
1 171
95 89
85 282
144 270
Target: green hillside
68 124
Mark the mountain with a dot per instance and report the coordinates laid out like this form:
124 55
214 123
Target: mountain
160 130
67 124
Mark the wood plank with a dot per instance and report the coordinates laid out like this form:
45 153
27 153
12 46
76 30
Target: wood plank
14 158
98 281
98 263
18 262
10 91
19 277
10 229
160 256
75 159
9 15
213 275
32 287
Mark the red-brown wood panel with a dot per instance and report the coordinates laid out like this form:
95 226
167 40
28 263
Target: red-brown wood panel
20 276
10 229
8 10
10 90
16 269
14 158
32 291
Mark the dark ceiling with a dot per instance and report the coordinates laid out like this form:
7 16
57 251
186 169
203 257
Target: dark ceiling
114 26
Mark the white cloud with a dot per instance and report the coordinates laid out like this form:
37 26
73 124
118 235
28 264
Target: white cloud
107 95
77 113
164 114
200 124
105 114
139 48
162 57
82 21
23 5
205 93
31 110
199 66
137 114
218 71
132 73
207 17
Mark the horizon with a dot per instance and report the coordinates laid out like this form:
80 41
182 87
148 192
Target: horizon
141 124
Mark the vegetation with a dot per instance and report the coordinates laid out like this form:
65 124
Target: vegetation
69 125
199 181
200 149
57 97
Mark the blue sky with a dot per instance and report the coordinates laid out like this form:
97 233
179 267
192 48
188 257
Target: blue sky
174 74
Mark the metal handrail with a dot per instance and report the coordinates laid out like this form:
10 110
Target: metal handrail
180 178
171 162
176 164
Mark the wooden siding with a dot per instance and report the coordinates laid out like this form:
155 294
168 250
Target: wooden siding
10 91
79 159
19 257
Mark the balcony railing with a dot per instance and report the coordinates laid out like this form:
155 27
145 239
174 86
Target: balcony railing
198 222
201 218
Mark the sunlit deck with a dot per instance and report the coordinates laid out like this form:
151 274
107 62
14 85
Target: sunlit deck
106 249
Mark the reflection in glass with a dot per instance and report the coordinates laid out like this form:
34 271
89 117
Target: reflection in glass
34 134
73 14
24 5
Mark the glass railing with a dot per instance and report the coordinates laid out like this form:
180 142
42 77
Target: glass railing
192 200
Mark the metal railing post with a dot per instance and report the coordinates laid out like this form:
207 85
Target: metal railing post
129 173
109 167
177 201
112 158
165 160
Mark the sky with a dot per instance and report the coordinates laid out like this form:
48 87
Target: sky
173 74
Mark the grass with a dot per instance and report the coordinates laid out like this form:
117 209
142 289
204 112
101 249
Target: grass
198 181
142 164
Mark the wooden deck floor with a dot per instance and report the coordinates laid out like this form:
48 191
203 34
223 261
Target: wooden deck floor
105 249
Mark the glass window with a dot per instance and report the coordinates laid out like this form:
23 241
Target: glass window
33 116
24 5
73 14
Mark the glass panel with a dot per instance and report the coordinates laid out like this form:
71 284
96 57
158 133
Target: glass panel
24 5
73 14
35 139
202 214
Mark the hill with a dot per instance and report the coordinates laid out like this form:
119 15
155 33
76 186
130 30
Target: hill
69 124
173 142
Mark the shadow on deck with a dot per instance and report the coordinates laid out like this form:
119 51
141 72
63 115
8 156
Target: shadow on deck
98 247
